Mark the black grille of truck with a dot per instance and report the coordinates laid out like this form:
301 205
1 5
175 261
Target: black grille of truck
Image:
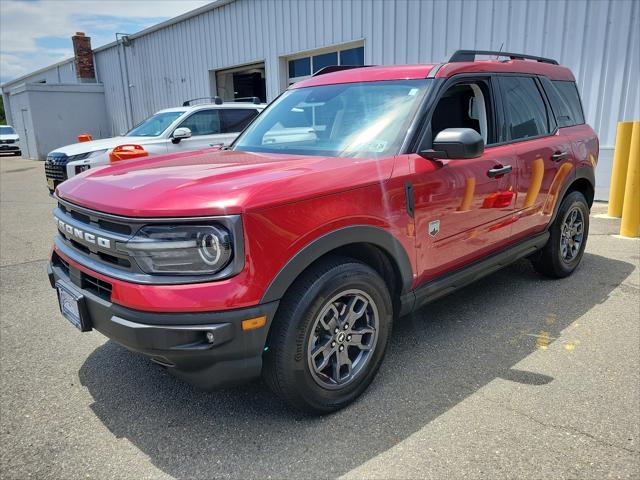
55 167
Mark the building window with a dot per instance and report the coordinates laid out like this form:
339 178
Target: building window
324 60
352 56
301 68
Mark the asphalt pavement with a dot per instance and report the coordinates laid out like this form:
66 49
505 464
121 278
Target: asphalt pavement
515 376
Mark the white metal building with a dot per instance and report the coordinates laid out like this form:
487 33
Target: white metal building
258 47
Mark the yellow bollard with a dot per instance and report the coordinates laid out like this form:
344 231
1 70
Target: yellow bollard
619 170
631 208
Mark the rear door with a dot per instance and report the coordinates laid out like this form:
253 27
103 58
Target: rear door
544 154
233 121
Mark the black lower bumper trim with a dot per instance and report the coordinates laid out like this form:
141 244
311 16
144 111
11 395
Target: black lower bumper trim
207 349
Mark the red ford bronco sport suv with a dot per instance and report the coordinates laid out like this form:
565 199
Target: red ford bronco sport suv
357 196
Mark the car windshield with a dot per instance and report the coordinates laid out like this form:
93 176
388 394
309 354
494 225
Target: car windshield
4 130
366 119
154 125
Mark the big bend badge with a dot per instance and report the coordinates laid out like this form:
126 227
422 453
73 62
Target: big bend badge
434 228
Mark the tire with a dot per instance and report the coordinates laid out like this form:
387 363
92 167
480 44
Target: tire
560 257
18 153
297 333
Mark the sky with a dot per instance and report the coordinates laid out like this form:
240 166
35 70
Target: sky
37 33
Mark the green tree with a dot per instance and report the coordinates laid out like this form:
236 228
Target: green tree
3 119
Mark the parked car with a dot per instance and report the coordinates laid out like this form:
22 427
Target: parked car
9 140
190 127
291 259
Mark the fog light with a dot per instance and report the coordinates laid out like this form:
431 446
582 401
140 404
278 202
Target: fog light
210 337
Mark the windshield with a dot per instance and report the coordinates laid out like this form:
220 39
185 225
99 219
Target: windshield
154 125
345 120
7 131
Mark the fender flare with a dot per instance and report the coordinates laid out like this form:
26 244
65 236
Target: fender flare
579 173
335 239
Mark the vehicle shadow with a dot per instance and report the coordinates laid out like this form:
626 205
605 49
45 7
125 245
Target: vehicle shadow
437 358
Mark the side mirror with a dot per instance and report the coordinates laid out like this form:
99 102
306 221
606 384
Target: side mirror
456 143
180 133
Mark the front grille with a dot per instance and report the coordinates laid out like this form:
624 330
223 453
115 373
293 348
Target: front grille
107 225
96 286
55 166
6 142
96 223
87 282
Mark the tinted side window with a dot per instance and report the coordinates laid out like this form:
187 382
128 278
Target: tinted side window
234 120
525 110
565 102
204 122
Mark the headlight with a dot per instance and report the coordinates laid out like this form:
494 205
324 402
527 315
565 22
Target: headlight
83 156
181 250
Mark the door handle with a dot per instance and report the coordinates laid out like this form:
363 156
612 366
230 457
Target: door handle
499 171
559 156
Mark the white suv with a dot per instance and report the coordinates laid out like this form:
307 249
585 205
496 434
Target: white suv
190 127
9 140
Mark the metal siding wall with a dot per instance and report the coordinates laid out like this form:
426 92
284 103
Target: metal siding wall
598 40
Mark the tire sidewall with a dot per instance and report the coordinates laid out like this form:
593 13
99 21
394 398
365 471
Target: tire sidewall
573 199
334 281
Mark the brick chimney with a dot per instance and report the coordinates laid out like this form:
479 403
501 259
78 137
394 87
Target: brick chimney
84 58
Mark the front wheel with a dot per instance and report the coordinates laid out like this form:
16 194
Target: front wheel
568 238
329 336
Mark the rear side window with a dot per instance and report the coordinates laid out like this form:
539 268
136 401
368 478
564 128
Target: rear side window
565 102
525 110
235 119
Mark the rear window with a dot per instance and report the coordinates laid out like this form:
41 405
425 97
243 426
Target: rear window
565 102
524 107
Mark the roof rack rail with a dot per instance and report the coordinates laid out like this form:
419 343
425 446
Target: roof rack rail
217 100
255 100
337 68
470 56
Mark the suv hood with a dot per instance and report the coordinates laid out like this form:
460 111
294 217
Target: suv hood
209 182
9 136
103 144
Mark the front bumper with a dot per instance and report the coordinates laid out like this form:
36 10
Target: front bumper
178 340
9 147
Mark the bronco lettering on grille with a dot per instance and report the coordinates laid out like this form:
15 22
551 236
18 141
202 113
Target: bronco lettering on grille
82 235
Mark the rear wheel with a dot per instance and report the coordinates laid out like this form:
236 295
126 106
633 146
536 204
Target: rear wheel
329 336
568 238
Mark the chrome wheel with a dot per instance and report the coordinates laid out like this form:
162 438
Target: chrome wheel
343 338
571 234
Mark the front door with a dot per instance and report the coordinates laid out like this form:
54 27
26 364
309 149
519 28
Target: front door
463 208
205 132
